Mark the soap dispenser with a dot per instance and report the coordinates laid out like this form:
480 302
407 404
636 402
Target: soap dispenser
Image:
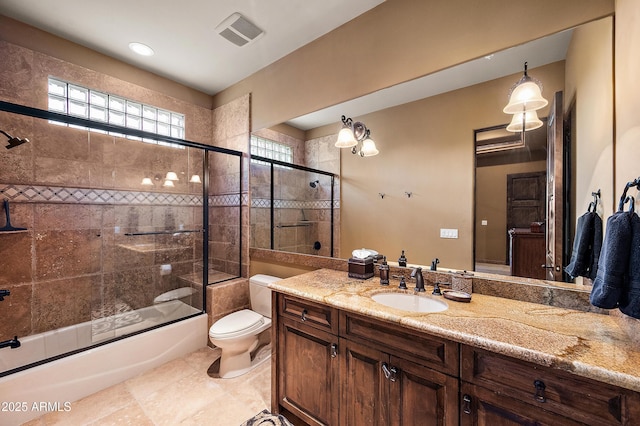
402 261
384 271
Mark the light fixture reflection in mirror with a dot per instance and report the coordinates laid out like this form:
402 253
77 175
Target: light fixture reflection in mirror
147 181
195 179
168 183
530 121
353 133
171 176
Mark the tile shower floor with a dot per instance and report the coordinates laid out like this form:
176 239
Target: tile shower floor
179 392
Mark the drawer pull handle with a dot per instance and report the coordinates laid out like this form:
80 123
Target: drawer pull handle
390 373
334 350
304 315
466 404
540 387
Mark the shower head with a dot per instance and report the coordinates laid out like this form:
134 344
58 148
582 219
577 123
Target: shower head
13 142
314 183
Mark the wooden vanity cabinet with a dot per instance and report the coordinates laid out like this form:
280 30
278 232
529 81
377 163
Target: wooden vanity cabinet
499 390
364 372
306 362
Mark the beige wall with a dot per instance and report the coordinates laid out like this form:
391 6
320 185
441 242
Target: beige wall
589 75
627 149
426 148
398 41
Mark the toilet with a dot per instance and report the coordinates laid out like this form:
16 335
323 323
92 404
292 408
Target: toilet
237 334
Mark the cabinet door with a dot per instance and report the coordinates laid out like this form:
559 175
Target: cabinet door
307 371
483 407
422 396
365 389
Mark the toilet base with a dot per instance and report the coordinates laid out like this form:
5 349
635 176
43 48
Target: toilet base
234 366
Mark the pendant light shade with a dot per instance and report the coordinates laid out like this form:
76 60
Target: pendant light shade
526 95
531 122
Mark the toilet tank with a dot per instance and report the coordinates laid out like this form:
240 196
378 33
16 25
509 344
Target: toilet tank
260 294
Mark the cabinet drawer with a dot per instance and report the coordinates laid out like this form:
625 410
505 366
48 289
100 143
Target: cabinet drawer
584 400
310 313
421 348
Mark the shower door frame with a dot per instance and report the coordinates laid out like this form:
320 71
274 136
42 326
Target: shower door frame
82 122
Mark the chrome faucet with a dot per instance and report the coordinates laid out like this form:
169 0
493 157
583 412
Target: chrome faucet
417 275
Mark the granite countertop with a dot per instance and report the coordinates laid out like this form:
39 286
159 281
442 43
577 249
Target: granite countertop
587 344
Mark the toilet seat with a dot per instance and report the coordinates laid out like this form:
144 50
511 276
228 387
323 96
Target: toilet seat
239 323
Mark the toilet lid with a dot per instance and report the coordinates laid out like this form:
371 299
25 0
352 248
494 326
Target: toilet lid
237 323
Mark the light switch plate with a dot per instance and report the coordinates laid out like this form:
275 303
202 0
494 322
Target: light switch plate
448 233
484 222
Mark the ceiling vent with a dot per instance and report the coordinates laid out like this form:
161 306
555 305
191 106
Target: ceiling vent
238 30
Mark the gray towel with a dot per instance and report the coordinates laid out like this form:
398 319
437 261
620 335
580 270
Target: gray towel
630 298
613 266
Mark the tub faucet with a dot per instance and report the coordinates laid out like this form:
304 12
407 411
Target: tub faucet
4 293
417 275
12 343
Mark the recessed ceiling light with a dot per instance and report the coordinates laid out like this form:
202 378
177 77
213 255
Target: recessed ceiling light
141 49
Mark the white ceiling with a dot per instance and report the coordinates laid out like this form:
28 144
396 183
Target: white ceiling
182 33
189 50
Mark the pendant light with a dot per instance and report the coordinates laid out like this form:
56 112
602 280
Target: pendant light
526 95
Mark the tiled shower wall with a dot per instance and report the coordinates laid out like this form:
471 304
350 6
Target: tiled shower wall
79 192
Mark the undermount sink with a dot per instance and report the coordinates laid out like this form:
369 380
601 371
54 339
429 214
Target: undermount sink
410 302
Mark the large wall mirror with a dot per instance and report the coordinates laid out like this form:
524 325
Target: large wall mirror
425 131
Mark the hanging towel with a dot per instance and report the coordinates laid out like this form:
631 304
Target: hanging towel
613 265
581 255
630 298
597 246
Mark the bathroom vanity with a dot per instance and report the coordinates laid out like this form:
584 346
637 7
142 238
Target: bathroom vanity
342 358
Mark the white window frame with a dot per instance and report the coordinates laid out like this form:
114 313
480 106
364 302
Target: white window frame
268 148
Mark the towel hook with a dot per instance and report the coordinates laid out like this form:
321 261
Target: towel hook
594 203
624 197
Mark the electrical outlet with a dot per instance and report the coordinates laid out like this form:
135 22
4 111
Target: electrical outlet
448 233
484 222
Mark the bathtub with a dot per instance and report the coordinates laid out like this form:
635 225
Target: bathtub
30 393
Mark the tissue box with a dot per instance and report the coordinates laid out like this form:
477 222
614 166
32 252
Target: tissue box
361 268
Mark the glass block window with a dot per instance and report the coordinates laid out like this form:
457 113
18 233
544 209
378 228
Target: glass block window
270 149
71 99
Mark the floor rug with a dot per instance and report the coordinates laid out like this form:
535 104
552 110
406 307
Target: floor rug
265 418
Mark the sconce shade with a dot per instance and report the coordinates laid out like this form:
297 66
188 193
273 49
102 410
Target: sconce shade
147 182
168 183
171 176
368 148
346 138
531 122
195 179
526 96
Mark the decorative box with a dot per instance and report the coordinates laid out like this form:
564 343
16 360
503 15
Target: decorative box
361 268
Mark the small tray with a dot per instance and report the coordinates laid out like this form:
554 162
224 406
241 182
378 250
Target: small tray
457 296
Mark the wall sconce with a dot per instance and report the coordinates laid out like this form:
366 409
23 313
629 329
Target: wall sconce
525 98
350 136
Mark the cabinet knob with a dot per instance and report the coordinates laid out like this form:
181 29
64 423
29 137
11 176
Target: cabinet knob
540 387
466 404
390 373
334 350
304 315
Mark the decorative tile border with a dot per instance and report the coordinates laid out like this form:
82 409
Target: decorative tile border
294 204
57 194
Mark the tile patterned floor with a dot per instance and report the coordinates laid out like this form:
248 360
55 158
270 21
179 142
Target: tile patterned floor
179 392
